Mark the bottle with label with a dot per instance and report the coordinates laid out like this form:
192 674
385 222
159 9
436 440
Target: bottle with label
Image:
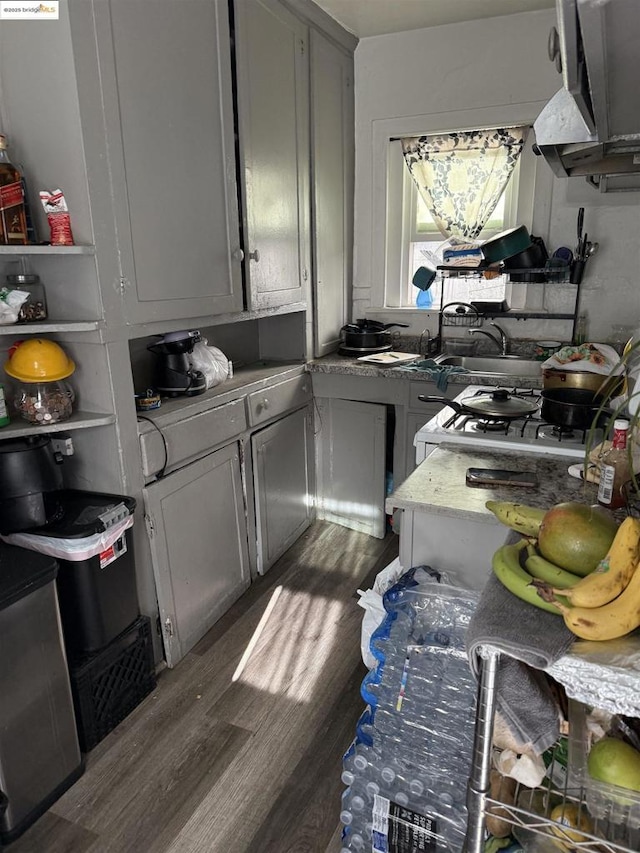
614 468
13 223
581 329
4 416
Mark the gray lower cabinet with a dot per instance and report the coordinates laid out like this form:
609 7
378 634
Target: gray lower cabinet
351 457
273 112
155 83
198 536
283 478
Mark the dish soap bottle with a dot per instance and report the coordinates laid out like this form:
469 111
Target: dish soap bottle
614 468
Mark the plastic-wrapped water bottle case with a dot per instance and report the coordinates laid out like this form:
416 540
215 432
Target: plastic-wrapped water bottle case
406 771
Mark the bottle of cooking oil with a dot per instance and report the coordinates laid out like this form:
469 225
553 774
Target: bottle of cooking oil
13 223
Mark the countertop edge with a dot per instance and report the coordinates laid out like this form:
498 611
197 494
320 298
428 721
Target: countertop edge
345 365
437 486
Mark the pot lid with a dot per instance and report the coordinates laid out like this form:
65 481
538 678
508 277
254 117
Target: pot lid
501 404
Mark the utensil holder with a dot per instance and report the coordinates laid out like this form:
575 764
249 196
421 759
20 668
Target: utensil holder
577 271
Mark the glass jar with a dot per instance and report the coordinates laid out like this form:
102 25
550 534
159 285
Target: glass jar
44 402
35 307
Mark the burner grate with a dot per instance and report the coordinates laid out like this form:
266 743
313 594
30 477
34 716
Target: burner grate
554 432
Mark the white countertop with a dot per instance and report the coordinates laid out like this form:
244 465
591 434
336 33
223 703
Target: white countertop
438 485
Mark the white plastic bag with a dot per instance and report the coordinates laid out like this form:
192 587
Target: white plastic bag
211 361
74 550
371 601
11 301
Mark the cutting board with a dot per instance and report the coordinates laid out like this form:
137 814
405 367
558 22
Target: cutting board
390 359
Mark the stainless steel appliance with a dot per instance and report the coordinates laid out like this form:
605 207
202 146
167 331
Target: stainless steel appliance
591 127
39 752
528 432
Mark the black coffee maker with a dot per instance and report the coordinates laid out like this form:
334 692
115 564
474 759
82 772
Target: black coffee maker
175 373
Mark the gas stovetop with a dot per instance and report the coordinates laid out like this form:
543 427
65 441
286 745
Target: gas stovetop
529 432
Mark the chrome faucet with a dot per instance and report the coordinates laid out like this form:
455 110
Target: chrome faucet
422 334
502 344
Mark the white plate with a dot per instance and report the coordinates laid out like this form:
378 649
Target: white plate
390 358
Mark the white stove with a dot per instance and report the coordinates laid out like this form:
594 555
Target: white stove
529 432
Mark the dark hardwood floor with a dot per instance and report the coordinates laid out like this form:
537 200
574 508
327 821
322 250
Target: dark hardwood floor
239 748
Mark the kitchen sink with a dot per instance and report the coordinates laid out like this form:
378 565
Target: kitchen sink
505 365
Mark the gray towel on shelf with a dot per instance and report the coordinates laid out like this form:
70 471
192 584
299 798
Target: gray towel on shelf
531 640
440 373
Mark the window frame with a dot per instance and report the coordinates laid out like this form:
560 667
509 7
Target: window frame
371 267
400 181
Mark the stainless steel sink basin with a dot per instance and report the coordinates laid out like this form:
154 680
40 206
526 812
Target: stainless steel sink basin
505 365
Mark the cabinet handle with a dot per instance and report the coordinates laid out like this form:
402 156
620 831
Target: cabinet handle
265 404
255 255
238 255
553 49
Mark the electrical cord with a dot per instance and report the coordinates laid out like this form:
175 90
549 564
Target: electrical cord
160 473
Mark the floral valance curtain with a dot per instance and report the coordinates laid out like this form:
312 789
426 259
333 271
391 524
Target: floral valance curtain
461 176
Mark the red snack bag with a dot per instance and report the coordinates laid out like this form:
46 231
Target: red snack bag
58 217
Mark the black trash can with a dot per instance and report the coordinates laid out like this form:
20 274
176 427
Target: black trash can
96 583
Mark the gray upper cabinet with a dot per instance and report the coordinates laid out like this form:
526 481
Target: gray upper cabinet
273 110
332 155
167 108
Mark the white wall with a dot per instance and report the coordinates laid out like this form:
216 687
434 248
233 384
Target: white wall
478 74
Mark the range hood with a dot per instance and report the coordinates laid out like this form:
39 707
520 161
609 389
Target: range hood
591 127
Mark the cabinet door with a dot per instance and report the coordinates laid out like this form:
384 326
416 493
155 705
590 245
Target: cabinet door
198 537
332 145
282 471
273 105
350 447
166 86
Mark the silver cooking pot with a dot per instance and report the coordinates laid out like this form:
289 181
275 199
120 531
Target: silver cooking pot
584 380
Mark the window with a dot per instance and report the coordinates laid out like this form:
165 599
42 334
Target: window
411 232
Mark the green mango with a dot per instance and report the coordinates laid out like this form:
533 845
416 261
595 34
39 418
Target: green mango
616 763
576 536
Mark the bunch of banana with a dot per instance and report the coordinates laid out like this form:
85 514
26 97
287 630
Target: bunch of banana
544 570
619 617
613 573
606 604
506 567
519 517
601 606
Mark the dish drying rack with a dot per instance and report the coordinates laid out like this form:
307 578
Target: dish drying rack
606 837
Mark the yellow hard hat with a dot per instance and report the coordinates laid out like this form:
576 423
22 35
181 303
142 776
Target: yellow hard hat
39 360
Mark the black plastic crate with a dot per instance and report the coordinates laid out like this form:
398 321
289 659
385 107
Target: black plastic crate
107 686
